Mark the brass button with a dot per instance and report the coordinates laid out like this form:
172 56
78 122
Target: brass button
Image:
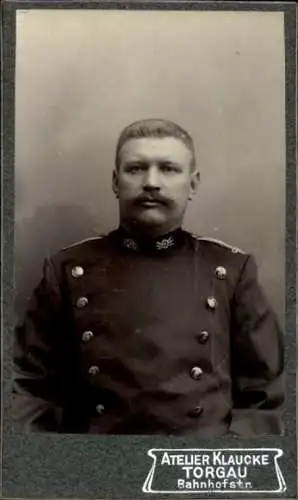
93 370
82 302
87 335
100 409
221 272
77 271
196 412
203 337
196 372
212 302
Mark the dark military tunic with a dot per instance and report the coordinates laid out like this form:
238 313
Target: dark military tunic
171 336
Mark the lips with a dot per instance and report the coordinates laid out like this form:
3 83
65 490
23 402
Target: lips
150 203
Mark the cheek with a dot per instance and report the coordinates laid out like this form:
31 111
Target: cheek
128 187
180 190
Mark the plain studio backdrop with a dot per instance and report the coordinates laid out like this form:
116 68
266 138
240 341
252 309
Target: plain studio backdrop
82 75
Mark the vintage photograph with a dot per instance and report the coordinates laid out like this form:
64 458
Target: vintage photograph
149 223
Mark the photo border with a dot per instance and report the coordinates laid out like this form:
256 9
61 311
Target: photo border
18 451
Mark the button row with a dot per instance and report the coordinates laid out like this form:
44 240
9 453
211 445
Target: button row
195 372
211 302
194 413
83 302
202 337
220 271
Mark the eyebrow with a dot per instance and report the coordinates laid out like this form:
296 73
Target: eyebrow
142 159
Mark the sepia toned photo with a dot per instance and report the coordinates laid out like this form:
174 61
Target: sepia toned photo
153 323
149 341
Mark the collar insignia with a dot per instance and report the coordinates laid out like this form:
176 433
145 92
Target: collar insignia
161 244
130 243
165 243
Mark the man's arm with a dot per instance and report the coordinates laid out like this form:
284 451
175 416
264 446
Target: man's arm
257 359
36 385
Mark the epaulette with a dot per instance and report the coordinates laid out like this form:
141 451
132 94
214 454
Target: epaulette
218 242
77 243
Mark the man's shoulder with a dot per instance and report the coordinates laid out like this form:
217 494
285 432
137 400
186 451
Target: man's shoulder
85 243
84 248
217 251
216 244
220 256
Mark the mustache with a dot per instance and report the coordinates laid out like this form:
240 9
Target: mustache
156 197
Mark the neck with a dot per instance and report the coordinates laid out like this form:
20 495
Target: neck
148 231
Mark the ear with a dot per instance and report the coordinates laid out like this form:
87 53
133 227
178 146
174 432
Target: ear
194 182
115 183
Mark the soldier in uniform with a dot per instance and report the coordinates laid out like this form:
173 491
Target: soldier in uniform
150 329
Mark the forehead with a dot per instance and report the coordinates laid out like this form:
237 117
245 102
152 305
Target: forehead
155 149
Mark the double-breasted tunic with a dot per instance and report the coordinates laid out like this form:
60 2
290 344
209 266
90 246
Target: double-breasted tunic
171 336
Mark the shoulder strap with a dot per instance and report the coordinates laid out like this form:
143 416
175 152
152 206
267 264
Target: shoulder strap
99 237
219 242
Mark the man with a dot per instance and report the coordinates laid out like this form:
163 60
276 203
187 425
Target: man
149 329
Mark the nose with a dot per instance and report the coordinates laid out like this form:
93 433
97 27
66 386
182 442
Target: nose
151 179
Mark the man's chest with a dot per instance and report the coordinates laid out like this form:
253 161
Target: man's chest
143 307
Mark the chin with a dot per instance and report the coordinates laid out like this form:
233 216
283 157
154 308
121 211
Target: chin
151 221
148 226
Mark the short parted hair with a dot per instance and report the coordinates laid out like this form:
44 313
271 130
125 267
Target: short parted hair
156 128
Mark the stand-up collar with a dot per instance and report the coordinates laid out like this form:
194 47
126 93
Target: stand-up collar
143 244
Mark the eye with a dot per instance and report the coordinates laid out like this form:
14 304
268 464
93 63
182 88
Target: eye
135 168
169 168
